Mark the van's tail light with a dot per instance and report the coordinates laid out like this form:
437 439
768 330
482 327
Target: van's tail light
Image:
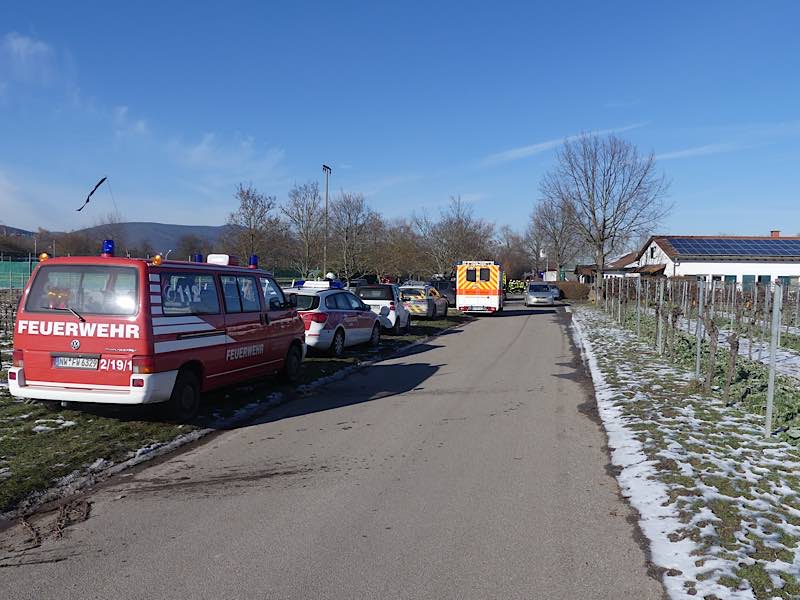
391 306
16 358
143 364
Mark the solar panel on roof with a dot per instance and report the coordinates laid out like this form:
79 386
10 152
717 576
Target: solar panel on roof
736 247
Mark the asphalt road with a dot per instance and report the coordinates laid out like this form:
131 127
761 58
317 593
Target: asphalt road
469 468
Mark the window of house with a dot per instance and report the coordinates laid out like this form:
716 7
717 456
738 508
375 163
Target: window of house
652 251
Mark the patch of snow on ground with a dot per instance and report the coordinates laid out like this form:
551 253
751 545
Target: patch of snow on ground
45 425
714 497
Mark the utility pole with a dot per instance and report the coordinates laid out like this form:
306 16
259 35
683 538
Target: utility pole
327 170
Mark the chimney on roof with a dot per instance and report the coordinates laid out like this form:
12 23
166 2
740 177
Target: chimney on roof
775 233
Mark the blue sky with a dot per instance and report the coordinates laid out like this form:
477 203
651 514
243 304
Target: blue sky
410 103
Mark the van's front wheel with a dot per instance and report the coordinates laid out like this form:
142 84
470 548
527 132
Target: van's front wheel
184 404
291 366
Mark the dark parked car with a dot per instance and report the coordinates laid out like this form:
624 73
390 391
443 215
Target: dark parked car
447 288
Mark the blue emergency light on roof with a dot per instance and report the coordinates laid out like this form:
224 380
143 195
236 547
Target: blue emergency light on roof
198 258
108 248
253 264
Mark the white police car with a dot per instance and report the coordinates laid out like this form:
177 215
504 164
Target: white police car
334 318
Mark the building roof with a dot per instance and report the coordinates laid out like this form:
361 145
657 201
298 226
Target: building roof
727 248
587 270
623 261
651 269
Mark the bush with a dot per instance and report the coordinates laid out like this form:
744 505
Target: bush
573 290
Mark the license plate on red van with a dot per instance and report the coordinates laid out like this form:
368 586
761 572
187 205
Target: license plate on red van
75 362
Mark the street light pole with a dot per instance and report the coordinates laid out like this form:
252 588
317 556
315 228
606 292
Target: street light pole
327 170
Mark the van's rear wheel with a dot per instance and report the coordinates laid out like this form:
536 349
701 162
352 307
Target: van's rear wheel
292 364
51 405
184 404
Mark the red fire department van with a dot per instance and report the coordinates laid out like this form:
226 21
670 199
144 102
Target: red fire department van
132 331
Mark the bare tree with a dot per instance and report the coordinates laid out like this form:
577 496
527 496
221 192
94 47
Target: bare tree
253 228
533 241
304 212
457 235
351 219
611 191
511 252
557 232
190 244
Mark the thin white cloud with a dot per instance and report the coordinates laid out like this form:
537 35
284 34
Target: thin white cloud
26 59
706 150
526 151
217 165
125 125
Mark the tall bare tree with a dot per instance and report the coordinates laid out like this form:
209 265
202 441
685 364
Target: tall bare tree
351 219
305 215
612 192
253 226
558 234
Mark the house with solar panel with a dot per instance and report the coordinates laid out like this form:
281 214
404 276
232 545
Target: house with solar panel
740 259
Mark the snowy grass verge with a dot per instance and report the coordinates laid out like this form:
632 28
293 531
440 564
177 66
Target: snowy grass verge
719 504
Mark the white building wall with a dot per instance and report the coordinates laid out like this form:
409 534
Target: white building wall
739 269
655 255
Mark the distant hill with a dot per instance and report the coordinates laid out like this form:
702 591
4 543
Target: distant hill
160 236
15 231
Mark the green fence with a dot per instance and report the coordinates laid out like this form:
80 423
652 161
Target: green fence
14 274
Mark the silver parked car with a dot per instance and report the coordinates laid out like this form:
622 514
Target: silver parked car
539 294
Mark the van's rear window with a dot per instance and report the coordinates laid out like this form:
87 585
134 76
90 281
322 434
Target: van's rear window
87 289
374 293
